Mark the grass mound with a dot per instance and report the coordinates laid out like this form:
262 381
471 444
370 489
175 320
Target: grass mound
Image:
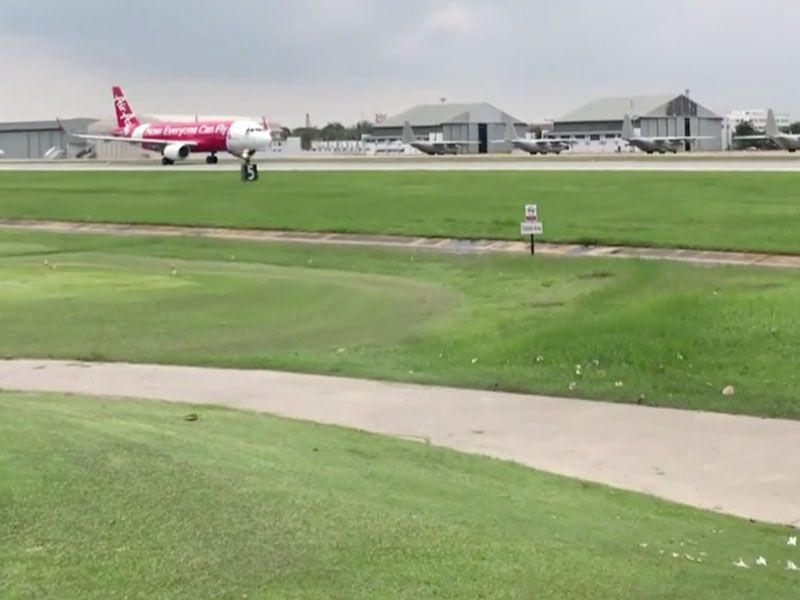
104 499
624 331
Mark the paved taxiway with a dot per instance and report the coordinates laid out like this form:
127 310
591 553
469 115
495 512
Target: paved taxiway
737 465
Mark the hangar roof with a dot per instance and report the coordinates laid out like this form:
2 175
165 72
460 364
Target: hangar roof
77 123
616 107
438 114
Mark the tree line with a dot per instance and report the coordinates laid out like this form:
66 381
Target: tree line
332 132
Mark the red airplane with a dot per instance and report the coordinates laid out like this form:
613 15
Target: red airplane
176 140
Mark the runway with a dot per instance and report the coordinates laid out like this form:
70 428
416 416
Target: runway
701 163
737 465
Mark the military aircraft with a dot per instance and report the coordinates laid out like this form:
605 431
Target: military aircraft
660 144
432 146
535 145
786 141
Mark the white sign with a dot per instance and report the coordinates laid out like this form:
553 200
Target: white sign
531 228
531 212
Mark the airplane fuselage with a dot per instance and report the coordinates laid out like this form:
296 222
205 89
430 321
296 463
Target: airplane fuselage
236 137
787 142
544 148
435 148
651 146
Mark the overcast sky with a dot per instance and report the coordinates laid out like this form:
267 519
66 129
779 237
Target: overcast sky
344 59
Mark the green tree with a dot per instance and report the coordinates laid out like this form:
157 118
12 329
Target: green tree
744 128
307 135
361 128
333 132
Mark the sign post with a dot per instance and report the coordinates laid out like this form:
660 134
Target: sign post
531 225
249 172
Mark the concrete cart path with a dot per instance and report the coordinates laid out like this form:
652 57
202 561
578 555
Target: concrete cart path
697 257
738 465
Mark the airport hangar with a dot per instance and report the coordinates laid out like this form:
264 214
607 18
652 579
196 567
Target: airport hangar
480 124
34 139
600 122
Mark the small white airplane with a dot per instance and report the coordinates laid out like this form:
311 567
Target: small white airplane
660 144
432 146
535 145
786 141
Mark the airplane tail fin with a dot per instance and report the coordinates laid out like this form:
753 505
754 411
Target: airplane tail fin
772 124
627 128
408 133
511 132
126 120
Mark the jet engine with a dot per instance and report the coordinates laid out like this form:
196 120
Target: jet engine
176 151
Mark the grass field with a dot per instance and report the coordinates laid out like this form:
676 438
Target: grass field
102 499
747 211
660 334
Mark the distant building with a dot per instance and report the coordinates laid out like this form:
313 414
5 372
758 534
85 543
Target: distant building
757 117
480 124
598 125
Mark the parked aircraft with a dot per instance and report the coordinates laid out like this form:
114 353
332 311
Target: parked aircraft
432 147
177 140
786 141
535 145
660 144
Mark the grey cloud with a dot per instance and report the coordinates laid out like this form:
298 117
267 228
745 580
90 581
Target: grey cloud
534 58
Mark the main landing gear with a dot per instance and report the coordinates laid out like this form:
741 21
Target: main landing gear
166 161
212 159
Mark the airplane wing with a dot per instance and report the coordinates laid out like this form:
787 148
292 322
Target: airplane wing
549 142
538 141
751 137
679 138
132 140
129 140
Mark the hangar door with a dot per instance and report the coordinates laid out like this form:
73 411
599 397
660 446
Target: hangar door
483 138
